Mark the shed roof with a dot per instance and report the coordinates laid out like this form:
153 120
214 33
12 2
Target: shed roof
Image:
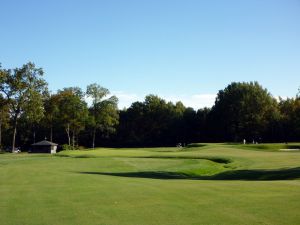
45 143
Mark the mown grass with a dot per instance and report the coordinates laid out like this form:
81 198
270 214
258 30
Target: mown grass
267 147
205 184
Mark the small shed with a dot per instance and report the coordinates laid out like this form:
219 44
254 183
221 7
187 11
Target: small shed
44 147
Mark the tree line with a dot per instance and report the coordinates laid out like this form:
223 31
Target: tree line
29 112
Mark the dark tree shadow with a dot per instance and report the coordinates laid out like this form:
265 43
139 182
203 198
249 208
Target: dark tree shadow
251 175
213 159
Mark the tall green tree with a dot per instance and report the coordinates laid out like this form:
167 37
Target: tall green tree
51 111
104 114
190 125
243 110
153 122
34 111
201 131
22 87
290 118
72 112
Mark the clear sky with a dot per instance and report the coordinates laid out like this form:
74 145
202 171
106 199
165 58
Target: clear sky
178 49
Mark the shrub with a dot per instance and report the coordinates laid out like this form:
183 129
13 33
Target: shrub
66 147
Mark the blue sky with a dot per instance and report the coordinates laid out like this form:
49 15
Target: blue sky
180 50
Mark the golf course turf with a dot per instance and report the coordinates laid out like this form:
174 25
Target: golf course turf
199 184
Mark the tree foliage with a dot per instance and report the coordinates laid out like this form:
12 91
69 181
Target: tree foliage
104 114
72 111
51 113
290 118
23 88
155 122
242 110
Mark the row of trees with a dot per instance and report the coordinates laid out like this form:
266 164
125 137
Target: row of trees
26 105
241 111
29 112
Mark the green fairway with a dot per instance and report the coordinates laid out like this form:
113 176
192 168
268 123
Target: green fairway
200 184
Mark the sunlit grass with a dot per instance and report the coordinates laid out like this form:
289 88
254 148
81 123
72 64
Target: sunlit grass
204 184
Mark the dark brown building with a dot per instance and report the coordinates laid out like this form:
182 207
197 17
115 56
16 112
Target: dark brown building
44 147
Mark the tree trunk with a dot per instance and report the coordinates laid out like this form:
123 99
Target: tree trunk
51 131
15 121
68 133
33 133
73 140
94 134
77 139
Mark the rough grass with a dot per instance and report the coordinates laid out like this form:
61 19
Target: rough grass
209 184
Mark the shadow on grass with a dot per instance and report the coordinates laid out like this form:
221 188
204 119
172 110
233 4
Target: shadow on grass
213 159
195 145
251 175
